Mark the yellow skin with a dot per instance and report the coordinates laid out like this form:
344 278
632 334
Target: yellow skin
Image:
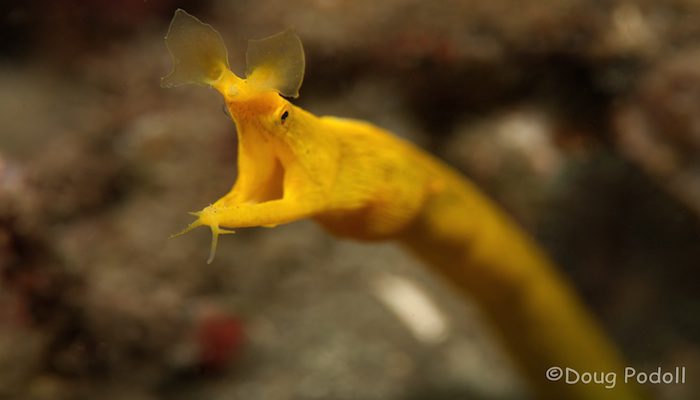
360 181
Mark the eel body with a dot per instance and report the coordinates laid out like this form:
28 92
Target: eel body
362 182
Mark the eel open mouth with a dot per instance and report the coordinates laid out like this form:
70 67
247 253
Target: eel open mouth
269 188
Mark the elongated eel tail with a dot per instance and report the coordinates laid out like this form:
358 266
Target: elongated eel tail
541 322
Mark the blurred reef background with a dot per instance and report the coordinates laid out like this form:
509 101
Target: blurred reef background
582 118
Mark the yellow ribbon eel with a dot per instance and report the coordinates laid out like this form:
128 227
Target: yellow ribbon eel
360 181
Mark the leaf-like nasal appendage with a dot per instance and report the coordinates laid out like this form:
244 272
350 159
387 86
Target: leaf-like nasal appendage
276 63
197 50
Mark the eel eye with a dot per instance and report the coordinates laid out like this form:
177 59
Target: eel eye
284 116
